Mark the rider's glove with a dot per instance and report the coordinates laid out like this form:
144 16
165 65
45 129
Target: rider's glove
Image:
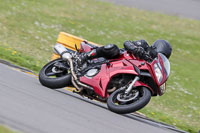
139 51
142 54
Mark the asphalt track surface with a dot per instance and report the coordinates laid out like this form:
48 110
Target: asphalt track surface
27 106
181 8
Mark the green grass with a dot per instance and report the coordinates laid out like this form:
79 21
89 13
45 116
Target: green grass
4 129
31 27
7 53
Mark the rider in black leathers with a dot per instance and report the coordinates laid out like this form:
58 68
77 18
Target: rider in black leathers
139 48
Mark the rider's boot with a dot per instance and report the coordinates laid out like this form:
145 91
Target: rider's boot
83 57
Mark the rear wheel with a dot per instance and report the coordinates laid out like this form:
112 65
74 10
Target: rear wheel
121 103
55 74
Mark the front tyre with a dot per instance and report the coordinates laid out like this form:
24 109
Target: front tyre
120 103
55 74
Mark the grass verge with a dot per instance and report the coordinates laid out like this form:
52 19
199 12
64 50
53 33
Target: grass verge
20 59
30 28
4 129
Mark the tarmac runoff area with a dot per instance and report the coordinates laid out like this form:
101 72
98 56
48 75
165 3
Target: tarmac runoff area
182 8
29 107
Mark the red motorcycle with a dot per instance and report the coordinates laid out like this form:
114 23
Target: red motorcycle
126 83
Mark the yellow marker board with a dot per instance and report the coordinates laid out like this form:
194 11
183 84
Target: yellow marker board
69 42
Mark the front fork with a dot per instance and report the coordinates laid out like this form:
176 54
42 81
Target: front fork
130 87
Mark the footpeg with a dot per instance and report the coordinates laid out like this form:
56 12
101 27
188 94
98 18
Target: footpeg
60 66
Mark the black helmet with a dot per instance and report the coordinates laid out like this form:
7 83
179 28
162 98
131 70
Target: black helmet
162 46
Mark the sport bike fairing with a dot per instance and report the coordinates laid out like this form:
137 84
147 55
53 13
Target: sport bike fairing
123 65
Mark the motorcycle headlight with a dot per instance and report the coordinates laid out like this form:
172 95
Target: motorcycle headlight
158 72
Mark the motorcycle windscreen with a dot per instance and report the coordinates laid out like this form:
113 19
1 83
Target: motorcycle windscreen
166 64
165 67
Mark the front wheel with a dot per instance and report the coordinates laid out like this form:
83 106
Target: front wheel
121 103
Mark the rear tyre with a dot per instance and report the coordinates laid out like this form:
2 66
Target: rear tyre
137 100
53 77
